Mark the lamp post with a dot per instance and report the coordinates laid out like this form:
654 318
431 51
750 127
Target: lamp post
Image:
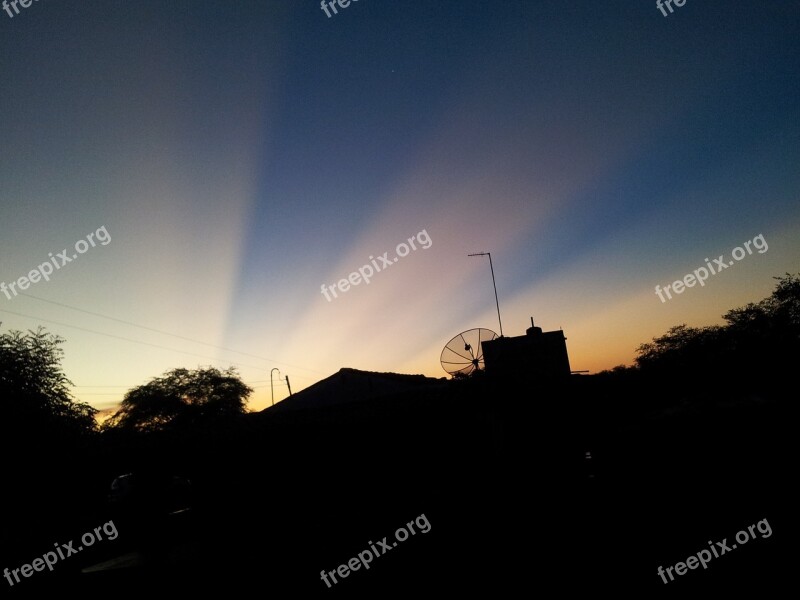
489 254
272 389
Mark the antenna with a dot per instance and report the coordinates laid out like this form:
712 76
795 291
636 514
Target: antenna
489 254
463 355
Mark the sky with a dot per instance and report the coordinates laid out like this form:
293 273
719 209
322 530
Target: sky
231 159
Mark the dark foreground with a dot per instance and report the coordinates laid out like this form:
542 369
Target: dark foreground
512 501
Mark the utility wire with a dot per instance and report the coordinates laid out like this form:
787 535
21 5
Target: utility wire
118 337
102 316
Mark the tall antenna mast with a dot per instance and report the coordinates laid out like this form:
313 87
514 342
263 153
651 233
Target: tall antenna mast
489 254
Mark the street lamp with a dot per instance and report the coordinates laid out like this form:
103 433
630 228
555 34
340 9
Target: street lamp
272 389
489 254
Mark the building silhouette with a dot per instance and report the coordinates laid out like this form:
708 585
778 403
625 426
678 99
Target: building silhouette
537 355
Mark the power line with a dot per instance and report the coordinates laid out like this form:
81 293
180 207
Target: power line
143 343
104 386
130 340
102 316
151 345
248 383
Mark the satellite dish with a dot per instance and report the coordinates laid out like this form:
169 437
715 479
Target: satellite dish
463 354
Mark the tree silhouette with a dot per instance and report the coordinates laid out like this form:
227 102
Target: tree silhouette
682 349
765 336
181 398
35 401
758 345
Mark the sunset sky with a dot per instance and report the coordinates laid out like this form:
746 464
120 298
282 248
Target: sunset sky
243 154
